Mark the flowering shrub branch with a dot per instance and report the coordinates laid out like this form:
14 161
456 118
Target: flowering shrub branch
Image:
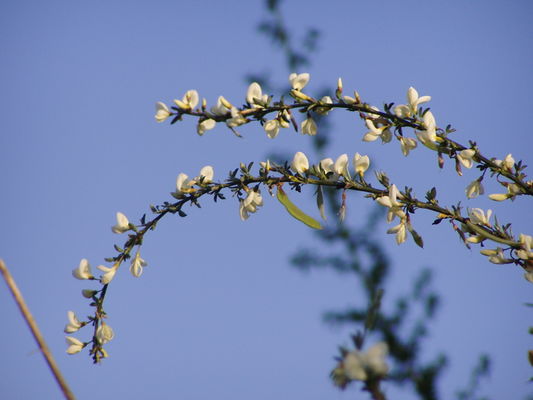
473 226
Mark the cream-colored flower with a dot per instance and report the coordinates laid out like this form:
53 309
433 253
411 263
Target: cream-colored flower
478 216
361 164
499 196
400 230
161 111
183 185
309 127
74 323
499 258
429 135
474 189
137 265
74 345
104 333
220 109
83 271
413 101
237 119
327 165
189 101
271 128
324 110
341 166
466 157
250 204
298 81
407 144
363 365
122 225
255 96
207 173
109 273
300 163
205 125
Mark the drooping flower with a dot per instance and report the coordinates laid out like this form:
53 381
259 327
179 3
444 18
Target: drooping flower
360 366
189 101
250 204
74 345
83 271
109 273
104 333
499 257
122 225
428 136
137 264
413 101
407 144
466 157
309 127
374 131
298 81
73 323
474 189
478 216
400 230
341 166
161 111
255 96
271 128
300 163
205 125
361 164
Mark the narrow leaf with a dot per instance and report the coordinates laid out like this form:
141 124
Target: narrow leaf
320 202
416 237
295 211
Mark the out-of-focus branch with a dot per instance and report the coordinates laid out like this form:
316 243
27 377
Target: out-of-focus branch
32 324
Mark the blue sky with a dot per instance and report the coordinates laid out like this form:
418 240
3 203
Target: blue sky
219 311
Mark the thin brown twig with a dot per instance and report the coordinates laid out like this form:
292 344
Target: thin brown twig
32 324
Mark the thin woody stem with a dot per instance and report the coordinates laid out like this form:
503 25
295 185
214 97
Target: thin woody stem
32 324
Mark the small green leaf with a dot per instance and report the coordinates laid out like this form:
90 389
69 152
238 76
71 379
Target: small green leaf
295 211
320 202
416 237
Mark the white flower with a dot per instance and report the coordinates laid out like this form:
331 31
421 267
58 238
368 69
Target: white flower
272 128
414 101
74 345
284 119
265 165
499 258
478 216
205 125
104 333
250 204
360 366
207 173
255 96
73 323
300 163
220 109
407 144
236 119
507 163
526 241
83 271
161 111
109 273
474 189
392 199
88 293
465 157
298 81
341 166
374 132
324 110
529 276
122 224
400 230
361 164
137 264
189 101
327 165
429 135
309 127
183 185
